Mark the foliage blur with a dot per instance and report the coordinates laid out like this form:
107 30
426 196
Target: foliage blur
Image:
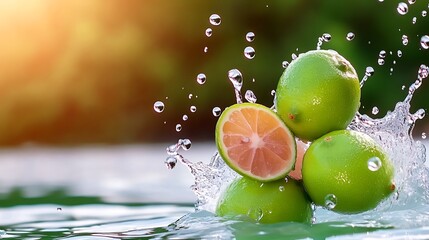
79 71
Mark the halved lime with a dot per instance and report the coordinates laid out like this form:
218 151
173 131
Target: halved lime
255 142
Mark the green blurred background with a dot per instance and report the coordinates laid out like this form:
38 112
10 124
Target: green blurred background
84 72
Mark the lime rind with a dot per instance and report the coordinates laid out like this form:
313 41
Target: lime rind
222 148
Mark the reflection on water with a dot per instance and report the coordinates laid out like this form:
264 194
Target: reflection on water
131 173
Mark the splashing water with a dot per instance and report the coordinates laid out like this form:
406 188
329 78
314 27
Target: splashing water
393 132
326 37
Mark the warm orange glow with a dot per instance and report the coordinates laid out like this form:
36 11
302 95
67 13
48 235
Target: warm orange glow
70 69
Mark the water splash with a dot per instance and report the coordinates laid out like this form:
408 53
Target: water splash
393 132
326 37
369 71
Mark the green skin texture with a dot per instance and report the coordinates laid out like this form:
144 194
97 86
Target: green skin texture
318 92
223 152
337 163
245 196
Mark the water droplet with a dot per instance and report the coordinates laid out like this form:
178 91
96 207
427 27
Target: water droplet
206 49
382 54
294 56
281 188
424 13
411 1
185 144
330 201
249 52
201 78
250 36
285 64
374 164
404 40
59 209
369 71
423 71
403 87
399 53
313 207
185 117
158 106
255 214
190 95
250 96
350 36
423 135
216 111
236 78
245 140
273 92
215 19
286 179
209 32
313 220
375 110
402 8
193 109
178 127
170 162
326 37
380 61
414 20
381 0
424 41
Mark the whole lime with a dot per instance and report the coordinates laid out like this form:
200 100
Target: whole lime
318 92
269 202
347 171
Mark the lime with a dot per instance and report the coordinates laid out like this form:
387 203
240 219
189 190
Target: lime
347 172
255 142
317 93
270 202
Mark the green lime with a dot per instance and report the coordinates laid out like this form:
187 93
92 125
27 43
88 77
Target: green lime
318 92
270 202
347 171
255 142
